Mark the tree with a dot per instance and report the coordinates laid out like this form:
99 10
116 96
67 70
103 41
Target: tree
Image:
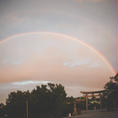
16 104
48 100
112 90
43 101
2 110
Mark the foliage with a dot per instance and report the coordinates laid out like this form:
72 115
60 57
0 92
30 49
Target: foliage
111 95
45 101
2 110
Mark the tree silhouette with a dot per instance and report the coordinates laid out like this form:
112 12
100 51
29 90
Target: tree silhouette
45 101
111 95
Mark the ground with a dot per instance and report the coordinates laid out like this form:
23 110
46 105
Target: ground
97 114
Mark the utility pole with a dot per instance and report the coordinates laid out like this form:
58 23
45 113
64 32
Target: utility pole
27 109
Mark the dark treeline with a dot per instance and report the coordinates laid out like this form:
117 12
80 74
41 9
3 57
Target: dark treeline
45 101
111 95
51 101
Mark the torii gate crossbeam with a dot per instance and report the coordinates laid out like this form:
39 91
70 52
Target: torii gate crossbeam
90 94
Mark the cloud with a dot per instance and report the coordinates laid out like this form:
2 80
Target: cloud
30 82
82 62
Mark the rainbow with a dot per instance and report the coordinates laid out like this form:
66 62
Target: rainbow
100 55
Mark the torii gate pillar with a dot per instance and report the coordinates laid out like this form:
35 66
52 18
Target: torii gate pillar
75 109
90 94
86 102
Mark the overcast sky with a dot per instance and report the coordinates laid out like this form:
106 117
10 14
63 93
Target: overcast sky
74 43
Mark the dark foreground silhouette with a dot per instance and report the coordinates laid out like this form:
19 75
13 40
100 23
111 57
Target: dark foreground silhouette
51 101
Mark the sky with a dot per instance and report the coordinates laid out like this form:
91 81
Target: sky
72 42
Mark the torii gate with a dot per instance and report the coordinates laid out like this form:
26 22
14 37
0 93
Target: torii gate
92 94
